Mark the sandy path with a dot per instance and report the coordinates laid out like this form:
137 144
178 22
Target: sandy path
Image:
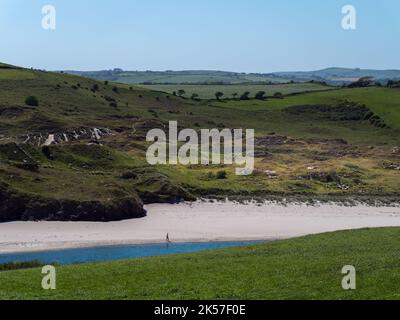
197 222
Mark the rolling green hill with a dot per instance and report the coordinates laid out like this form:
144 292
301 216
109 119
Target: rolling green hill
340 75
303 268
80 153
383 101
336 76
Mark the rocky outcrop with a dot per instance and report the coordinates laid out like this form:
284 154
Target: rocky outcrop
16 206
46 139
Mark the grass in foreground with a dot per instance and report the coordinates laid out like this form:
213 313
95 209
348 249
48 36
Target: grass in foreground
304 268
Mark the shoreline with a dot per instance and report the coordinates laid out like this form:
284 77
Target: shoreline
90 245
201 221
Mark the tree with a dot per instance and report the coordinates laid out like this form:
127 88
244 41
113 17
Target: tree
260 95
219 95
361 83
115 89
278 95
95 87
194 96
32 101
181 92
234 95
245 96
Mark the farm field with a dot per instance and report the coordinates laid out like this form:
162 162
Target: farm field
383 101
236 90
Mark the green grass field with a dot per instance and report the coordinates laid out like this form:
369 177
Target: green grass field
303 268
208 91
383 101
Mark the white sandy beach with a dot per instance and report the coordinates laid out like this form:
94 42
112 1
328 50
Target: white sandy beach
200 221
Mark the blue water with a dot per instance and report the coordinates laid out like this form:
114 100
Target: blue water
99 254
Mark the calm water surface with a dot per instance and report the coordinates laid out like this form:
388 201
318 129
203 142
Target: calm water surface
109 253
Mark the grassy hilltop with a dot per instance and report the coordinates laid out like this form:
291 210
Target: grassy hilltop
332 144
302 268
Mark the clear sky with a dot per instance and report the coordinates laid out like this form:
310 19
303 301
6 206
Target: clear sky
233 35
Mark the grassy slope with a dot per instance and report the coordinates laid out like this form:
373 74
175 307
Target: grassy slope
208 91
303 268
62 106
385 102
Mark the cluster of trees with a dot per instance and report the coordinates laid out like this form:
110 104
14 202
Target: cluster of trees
393 84
361 83
368 81
260 95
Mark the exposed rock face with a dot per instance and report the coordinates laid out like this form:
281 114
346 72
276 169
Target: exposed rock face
46 139
22 207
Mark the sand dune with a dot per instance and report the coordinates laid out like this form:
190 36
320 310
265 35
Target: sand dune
200 221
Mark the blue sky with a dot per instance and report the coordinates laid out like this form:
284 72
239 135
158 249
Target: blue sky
234 35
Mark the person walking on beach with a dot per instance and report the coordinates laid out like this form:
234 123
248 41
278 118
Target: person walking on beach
167 238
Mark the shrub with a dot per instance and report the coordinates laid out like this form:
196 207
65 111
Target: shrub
32 101
47 152
115 89
129 175
20 265
109 99
245 96
221 175
95 87
260 95
278 95
219 95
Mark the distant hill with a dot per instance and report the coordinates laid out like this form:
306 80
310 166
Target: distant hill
336 76
340 75
176 77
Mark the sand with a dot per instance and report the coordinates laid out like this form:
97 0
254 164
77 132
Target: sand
200 221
